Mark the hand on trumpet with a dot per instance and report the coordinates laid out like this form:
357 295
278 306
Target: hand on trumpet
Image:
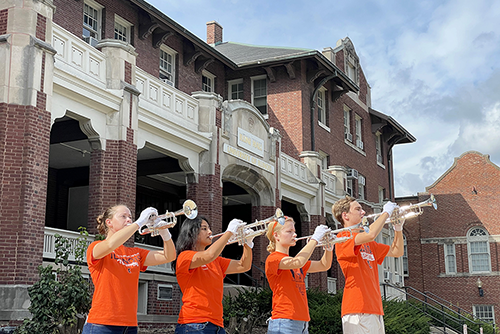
389 207
146 215
234 225
319 233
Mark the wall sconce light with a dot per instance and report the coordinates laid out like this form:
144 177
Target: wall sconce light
480 287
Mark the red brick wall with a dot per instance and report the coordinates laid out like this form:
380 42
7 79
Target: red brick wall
3 21
41 26
24 143
459 209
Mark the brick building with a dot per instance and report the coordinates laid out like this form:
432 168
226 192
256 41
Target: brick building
107 101
453 252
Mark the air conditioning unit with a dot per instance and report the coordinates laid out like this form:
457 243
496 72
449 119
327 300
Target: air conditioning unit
91 40
387 276
332 285
348 136
168 82
398 279
359 143
362 180
352 174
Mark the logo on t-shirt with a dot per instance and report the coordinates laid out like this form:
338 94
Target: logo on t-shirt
128 261
298 278
367 254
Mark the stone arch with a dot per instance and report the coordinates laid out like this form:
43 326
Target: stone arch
260 190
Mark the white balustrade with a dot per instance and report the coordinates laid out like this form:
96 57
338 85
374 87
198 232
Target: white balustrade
330 182
76 56
166 101
294 168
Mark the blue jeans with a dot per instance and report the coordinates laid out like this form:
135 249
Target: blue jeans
89 328
287 326
201 328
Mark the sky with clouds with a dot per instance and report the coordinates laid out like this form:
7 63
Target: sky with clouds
432 65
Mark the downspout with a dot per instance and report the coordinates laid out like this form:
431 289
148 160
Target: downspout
313 104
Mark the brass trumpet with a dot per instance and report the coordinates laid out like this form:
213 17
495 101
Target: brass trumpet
168 219
331 238
253 230
402 213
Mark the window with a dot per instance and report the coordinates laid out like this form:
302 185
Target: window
235 89
165 292
167 65
450 261
142 301
381 194
122 29
361 186
378 147
259 93
208 81
351 68
484 312
322 106
349 187
323 157
405 257
479 250
359 138
92 13
347 123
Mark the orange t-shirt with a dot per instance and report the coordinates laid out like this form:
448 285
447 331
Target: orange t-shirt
116 280
202 289
360 267
289 289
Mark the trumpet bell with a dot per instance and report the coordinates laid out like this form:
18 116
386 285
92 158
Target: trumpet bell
190 209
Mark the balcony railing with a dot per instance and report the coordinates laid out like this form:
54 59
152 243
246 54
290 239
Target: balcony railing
330 182
294 168
49 251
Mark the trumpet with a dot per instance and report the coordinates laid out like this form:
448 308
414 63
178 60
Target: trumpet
404 212
168 219
331 238
253 230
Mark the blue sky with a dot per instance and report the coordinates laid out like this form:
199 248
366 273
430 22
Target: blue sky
434 66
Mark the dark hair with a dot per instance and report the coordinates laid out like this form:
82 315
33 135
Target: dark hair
188 235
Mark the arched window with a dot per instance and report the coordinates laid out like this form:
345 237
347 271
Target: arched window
478 248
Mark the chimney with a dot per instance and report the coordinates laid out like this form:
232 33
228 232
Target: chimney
214 33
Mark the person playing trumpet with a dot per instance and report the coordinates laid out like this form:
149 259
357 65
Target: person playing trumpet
359 257
115 268
286 274
200 272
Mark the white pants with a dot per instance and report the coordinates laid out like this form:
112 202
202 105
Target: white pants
363 323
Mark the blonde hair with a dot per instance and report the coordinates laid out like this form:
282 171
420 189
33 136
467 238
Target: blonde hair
275 227
342 205
102 227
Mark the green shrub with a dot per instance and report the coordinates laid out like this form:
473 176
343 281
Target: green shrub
251 307
59 299
324 310
401 318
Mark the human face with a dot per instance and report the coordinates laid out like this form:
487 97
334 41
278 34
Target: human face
354 215
204 236
120 219
286 236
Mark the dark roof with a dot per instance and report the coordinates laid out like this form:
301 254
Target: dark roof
400 134
244 54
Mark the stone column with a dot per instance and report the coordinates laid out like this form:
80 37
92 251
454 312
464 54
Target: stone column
25 103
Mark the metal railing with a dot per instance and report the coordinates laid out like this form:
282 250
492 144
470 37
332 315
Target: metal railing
446 317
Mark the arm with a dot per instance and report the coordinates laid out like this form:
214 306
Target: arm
108 245
322 265
299 260
211 253
243 264
166 255
397 247
375 229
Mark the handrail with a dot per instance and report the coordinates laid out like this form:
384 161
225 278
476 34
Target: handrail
432 304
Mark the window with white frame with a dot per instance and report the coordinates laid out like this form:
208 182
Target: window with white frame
361 186
259 93
359 137
322 105
378 147
123 29
450 259
347 123
167 65
485 313
323 157
142 301
386 264
92 16
352 68
208 81
405 257
478 248
235 88
348 186
165 292
381 194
